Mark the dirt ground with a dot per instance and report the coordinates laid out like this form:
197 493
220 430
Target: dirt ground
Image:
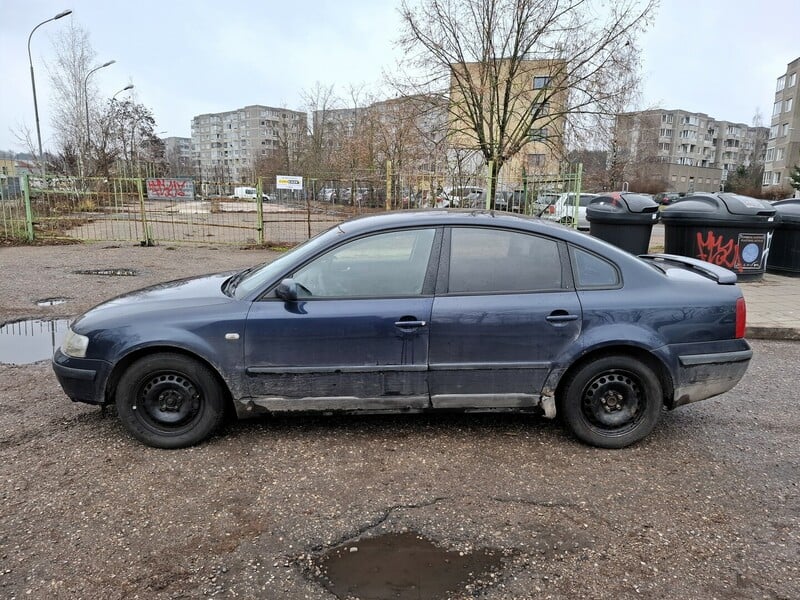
707 507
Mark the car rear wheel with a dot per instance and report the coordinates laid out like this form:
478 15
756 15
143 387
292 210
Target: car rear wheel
170 401
611 402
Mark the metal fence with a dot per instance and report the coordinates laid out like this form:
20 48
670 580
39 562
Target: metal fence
174 211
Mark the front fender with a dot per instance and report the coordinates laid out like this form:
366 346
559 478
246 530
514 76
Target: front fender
224 356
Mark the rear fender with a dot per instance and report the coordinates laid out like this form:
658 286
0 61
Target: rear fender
618 337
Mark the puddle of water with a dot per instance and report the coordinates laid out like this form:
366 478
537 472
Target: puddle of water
404 566
52 301
108 272
26 342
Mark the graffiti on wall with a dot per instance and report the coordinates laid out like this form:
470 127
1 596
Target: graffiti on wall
161 188
745 252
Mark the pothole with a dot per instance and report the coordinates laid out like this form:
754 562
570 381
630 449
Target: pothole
108 272
404 566
31 340
52 301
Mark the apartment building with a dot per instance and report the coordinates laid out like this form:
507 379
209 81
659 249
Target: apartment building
783 145
534 94
178 153
686 151
227 146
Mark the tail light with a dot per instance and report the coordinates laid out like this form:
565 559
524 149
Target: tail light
741 317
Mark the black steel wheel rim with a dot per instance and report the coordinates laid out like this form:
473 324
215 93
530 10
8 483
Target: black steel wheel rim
613 402
168 401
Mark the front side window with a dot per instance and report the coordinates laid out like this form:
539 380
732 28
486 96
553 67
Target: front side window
498 261
385 265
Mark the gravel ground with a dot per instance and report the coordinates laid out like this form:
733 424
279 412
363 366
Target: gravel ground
706 507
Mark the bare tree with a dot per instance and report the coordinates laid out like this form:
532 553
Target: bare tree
509 68
320 102
74 58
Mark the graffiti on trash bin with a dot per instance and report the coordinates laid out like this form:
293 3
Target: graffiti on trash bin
747 252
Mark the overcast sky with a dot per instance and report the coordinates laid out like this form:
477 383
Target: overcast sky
720 57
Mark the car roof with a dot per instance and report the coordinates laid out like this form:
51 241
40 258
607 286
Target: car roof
478 217
411 218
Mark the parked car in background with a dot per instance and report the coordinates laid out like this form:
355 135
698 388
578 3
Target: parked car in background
563 209
475 199
453 197
666 198
423 311
245 193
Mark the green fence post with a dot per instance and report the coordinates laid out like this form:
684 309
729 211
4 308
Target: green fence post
26 194
489 184
148 238
260 210
525 206
388 185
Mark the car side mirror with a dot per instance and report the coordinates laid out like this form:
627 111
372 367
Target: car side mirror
287 290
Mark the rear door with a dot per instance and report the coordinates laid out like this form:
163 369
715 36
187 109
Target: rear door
505 308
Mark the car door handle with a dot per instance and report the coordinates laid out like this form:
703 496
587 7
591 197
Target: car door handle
558 316
410 324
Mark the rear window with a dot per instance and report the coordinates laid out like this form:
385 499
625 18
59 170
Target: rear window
491 260
592 271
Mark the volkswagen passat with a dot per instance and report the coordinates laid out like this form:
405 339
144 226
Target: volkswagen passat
418 312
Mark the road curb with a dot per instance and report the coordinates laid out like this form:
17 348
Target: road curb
772 333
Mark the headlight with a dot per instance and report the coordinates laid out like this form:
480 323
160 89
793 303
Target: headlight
75 344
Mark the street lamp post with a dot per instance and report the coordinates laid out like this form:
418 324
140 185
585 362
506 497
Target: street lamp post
86 99
33 85
125 89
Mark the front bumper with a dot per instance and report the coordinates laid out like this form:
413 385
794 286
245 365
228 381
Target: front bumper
83 379
705 375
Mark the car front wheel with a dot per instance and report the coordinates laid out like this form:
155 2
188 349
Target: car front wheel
170 401
611 402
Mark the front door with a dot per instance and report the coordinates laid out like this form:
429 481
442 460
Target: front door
358 337
504 310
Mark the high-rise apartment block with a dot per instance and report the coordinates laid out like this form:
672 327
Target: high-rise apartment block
783 146
686 151
227 145
178 153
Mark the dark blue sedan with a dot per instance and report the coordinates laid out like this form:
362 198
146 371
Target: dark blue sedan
418 312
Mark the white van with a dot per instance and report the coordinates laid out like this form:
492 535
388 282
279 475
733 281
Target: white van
246 193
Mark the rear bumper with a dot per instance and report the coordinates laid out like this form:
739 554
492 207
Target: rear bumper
82 379
702 376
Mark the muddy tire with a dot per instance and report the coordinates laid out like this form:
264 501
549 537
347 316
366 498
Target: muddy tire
611 402
170 401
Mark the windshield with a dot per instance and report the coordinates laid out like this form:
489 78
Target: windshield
261 275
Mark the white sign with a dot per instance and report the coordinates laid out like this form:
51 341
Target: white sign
288 182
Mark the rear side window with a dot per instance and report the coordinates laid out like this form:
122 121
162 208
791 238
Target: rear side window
486 261
591 271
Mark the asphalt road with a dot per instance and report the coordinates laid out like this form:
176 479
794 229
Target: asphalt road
707 507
